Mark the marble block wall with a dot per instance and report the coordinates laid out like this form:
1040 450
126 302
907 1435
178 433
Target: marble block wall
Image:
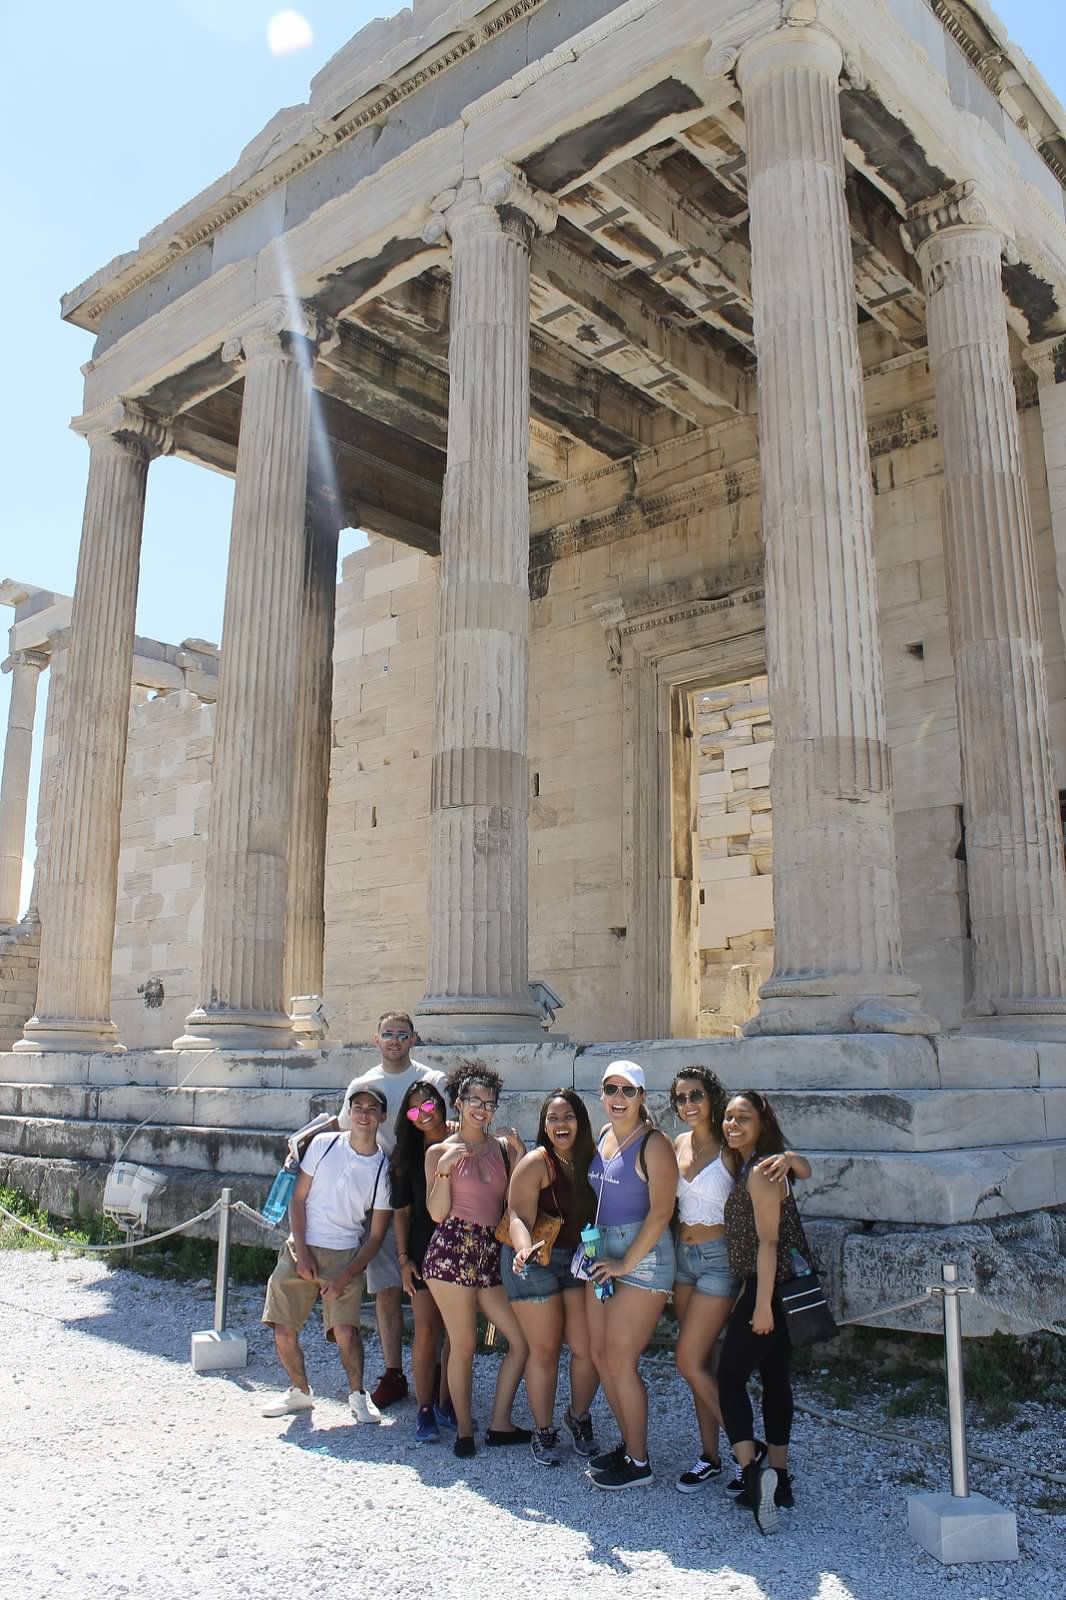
156 968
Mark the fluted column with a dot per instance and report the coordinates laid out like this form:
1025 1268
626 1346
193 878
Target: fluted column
1014 860
1048 362
478 987
25 667
74 978
305 919
836 898
243 1000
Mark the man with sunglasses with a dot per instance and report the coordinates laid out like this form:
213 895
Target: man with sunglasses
392 1077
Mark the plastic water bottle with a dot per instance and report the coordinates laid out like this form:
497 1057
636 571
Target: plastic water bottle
277 1201
800 1267
590 1239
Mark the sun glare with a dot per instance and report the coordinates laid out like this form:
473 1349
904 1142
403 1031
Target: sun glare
287 32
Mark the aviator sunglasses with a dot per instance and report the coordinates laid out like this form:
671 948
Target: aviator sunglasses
424 1110
630 1090
693 1098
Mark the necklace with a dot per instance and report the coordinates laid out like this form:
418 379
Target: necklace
696 1151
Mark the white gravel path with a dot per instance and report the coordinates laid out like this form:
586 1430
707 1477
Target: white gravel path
124 1474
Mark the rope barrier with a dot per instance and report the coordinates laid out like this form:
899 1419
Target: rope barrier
109 1249
884 1311
255 1216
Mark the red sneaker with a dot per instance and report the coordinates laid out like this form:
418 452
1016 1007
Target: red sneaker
392 1387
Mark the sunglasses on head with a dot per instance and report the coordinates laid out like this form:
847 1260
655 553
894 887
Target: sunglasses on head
426 1109
630 1090
692 1098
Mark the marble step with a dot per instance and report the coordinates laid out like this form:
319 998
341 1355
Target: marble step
835 1119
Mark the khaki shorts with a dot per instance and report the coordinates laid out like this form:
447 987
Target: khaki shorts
290 1299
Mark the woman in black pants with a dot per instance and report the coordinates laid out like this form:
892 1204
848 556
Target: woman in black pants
762 1228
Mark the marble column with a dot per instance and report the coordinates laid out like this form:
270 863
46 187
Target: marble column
243 1000
836 900
74 979
1014 860
1048 362
478 986
25 667
305 922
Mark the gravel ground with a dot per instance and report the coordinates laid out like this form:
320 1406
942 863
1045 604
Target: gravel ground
124 1474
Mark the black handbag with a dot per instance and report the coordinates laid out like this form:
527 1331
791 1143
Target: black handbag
808 1318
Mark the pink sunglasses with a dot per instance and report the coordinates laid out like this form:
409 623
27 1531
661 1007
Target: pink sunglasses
424 1110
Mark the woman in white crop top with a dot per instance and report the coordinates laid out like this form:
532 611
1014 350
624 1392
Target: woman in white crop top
704 1288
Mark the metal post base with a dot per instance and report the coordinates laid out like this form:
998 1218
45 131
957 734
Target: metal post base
218 1352
956 1530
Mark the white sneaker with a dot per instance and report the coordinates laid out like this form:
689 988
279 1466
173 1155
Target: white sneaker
362 1407
291 1401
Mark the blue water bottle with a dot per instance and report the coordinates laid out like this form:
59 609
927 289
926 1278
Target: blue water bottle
590 1239
277 1201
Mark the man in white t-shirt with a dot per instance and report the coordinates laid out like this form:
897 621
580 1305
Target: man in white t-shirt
341 1210
393 1076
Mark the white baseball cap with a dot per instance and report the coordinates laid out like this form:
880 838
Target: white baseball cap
628 1071
344 1115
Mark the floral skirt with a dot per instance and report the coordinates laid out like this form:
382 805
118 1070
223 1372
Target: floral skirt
465 1253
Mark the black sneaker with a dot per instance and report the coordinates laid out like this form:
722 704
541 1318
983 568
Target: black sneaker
609 1460
735 1485
580 1430
783 1497
760 1486
545 1447
701 1472
627 1475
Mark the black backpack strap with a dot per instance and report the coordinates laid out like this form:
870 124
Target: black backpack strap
505 1151
642 1159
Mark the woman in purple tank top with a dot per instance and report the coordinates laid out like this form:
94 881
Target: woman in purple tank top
634 1178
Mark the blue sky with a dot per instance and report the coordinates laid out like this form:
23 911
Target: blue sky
116 114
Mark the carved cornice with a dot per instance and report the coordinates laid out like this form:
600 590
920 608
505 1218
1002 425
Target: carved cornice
501 187
283 327
631 617
321 141
130 425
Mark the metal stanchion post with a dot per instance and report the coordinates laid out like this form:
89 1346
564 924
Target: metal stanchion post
959 1526
222 1265
960 1477
215 1350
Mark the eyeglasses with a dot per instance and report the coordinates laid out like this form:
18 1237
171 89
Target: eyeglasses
426 1109
691 1099
397 1036
480 1105
630 1090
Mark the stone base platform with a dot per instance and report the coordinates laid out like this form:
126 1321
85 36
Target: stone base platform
921 1148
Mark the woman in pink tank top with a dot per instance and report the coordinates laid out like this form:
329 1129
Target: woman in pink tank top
466 1189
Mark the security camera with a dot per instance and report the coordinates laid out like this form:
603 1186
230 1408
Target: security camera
128 1191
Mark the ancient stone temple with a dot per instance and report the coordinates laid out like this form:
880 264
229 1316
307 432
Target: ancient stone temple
698 372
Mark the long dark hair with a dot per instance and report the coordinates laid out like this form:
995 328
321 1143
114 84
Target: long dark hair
712 1086
584 1147
771 1141
410 1151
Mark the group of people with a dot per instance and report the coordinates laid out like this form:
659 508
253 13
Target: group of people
413 1193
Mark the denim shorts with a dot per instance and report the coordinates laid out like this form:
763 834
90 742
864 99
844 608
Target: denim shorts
655 1271
705 1266
538 1283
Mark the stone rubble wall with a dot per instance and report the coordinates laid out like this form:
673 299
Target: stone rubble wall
161 868
736 852
20 949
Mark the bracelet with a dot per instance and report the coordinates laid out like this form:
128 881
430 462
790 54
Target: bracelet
402 1259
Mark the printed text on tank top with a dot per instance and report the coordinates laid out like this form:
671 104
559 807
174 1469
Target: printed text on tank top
701 1202
621 1193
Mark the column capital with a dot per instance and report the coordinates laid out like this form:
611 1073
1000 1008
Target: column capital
961 209
501 188
127 424
282 328
25 658
1048 361
796 45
